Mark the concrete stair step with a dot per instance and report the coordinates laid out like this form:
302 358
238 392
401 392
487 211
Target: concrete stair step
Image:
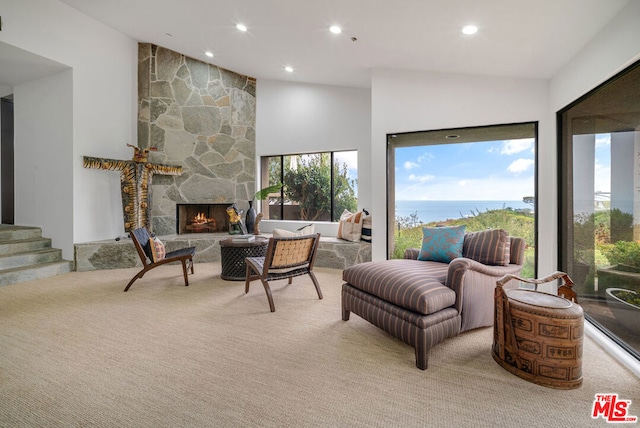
45 255
29 273
10 232
17 246
25 255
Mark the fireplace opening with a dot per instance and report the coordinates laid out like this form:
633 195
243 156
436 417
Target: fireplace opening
201 218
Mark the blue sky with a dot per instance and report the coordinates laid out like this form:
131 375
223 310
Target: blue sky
351 159
485 171
602 177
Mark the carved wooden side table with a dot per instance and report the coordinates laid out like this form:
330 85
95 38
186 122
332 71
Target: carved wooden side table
538 336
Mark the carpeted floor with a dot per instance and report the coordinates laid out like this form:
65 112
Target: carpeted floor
77 351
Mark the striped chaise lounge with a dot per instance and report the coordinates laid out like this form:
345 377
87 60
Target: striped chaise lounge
423 303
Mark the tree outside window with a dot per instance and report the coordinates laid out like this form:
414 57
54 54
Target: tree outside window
317 186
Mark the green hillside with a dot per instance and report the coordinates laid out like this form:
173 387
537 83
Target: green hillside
408 234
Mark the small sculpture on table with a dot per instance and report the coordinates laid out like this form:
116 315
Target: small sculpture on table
256 227
236 225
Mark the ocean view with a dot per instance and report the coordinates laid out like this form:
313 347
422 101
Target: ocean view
429 211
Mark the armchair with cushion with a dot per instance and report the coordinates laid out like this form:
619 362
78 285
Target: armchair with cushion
422 301
151 257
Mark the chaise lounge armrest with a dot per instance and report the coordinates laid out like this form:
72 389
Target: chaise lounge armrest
411 253
474 284
462 265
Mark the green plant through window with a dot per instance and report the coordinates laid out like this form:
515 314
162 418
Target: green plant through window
316 186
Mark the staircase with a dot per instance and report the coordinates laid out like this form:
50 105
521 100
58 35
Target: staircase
25 255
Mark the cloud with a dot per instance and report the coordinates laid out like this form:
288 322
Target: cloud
421 178
520 165
602 177
603 140
510 147
350 158
482 189
426 157
410 165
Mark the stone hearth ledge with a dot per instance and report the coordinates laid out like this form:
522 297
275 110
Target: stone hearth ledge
111 254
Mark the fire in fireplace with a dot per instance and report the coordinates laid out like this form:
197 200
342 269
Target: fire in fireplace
201 218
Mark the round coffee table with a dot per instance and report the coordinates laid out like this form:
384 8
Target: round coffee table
232 255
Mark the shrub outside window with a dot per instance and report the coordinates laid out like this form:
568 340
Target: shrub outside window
316 186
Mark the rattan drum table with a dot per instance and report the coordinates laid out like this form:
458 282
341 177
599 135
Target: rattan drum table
232 255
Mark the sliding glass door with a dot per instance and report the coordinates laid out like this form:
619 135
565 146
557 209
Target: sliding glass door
600 205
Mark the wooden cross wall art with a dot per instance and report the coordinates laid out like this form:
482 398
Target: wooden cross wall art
135 184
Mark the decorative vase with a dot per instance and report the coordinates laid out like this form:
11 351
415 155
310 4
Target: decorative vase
251 218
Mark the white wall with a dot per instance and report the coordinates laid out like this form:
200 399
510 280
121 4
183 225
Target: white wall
614 48
43 111
302 118
103 93
405 101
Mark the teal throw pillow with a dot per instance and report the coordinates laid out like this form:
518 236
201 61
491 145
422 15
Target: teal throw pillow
441 244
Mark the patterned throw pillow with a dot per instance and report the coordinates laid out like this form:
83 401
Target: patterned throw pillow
350 226
158 250
366 227
489 247
441 244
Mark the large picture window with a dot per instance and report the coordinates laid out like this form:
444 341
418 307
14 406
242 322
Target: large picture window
479 177
316 186
599 243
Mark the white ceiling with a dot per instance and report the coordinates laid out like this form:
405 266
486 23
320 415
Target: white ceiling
519 38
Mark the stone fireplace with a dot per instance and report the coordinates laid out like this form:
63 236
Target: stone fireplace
201 218
202 118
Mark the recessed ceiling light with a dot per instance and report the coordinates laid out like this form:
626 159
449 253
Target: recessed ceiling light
335 29
209 54
241 27
452 136
288 69
469 30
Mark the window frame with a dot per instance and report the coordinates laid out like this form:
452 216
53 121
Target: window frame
264 178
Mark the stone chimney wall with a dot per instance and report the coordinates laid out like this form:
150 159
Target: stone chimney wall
200 117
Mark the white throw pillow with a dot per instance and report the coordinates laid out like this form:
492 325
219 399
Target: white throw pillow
282 233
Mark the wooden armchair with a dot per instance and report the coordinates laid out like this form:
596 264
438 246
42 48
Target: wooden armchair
285 258
145 247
